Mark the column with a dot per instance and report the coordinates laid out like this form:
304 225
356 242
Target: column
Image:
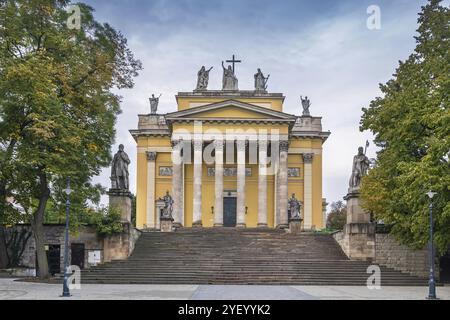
177 183
307 186
151 174
240 201
262 183
197 207
218 205
283 186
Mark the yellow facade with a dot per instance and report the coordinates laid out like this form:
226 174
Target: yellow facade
243 114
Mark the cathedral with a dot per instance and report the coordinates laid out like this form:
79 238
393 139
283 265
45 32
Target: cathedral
230 158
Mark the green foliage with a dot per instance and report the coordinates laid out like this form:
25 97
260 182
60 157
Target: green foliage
57 105
107 221
337 217
411 124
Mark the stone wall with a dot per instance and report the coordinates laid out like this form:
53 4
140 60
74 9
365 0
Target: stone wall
357 240
120 246
391 254
117 246
339 237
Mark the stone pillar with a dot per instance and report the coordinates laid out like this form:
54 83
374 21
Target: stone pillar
240 201
121 200
262 184
307 190
359 232
197 205
282 221
218 205
151 175
177 184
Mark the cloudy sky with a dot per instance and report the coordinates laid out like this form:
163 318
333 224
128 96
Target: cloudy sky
322 49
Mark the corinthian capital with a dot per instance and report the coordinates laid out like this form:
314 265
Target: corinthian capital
151 155
284 145
308 157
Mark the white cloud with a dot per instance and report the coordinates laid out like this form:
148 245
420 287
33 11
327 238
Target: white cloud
337 62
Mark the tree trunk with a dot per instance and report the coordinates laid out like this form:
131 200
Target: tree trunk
4 260
38 228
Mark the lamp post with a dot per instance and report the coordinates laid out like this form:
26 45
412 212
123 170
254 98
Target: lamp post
432 280
66 291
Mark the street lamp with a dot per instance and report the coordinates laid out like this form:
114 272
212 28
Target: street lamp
66 291
432 281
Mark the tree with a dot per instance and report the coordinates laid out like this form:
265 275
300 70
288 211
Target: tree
337 217
57 108
411 124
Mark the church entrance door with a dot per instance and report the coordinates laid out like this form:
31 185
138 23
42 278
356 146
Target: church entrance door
229 212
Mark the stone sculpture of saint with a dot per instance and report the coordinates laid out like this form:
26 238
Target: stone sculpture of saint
229 81
203 78
261 81
294 207
119 170
360 167
154 101
168 206
305 104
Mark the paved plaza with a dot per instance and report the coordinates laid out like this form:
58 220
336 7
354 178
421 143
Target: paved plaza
17 290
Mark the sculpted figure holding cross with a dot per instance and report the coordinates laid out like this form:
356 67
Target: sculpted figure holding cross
229 81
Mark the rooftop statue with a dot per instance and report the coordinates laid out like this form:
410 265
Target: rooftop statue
154 104
261 81
203 78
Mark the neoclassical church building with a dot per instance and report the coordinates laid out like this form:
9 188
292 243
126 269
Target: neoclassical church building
229 158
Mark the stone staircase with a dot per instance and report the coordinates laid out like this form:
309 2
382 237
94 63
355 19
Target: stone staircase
245 256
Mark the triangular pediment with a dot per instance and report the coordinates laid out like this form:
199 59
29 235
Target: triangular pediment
230 109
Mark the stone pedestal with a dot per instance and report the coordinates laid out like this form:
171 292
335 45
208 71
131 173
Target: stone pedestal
295 225
355 214
160 204
121 201
359 232
166 224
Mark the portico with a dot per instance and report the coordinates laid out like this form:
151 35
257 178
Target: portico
229 159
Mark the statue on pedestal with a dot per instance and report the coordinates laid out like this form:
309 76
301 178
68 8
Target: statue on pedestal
261 81
305 104
119 170
154 104
203 78
360 167
229 80
294 208
166 212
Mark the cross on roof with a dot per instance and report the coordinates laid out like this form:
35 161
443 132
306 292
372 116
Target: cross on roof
233 61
